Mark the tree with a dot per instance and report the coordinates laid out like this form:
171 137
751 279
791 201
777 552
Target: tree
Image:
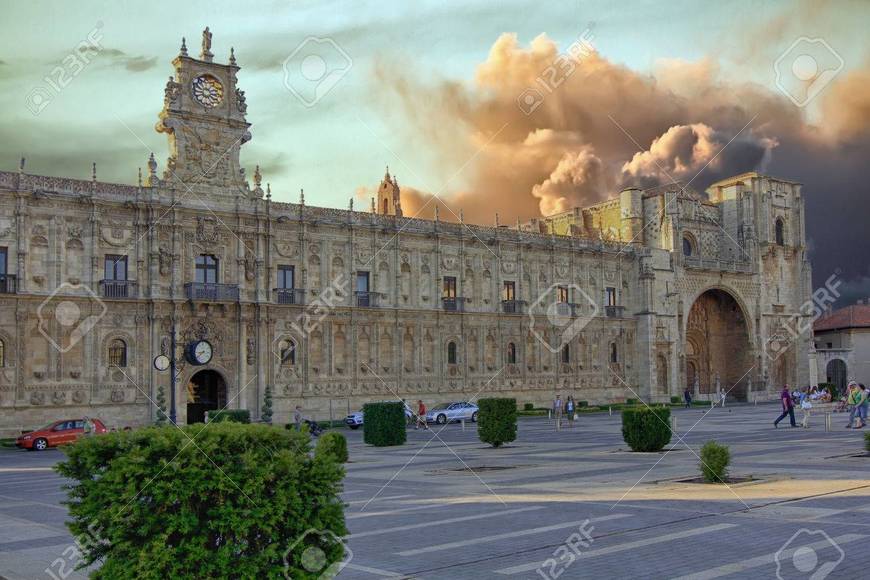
266 413
161 406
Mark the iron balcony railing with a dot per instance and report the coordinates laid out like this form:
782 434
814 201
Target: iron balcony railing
366 299
512 306
212 292
613 311
714 264
118 288
8 284
455 304
289 296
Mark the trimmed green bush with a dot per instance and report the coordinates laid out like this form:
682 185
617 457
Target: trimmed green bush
529 407
867 442
266 412
334 443
646 428
714 462
235 415
497 421
384 424
581 404
148 504
162 417
631 401
676 400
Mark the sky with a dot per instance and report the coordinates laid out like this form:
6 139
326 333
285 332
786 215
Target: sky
661 90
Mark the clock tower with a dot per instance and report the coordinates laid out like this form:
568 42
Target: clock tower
204 118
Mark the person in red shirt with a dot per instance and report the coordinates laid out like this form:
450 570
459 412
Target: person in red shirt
421 416
787 407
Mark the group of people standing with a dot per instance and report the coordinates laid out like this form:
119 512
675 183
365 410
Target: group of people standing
856 401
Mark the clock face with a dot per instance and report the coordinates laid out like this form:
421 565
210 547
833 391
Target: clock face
202 352
208 91
161 362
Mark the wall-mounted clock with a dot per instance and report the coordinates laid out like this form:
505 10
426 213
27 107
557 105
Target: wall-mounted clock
161 362
199 352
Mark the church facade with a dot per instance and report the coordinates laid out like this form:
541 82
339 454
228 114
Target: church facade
640 296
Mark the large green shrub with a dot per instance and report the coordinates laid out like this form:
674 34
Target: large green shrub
497 421
384 424
714 462
234 415
335 443
233 504
646 428
529 407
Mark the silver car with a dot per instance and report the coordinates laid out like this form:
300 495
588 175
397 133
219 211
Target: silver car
449 412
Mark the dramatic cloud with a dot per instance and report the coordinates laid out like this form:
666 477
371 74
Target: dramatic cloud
117 57
540 131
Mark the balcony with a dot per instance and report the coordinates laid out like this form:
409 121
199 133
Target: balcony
212 292
289 296
456 304
366 299
8 284
736 266
512 306
118 288
613 311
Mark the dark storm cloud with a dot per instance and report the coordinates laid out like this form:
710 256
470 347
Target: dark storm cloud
119 58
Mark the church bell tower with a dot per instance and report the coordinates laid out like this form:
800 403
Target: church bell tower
204 118
389 196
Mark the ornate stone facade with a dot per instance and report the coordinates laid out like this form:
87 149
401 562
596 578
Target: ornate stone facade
337 307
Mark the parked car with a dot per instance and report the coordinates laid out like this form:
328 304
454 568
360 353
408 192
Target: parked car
355 420
57 433
449 412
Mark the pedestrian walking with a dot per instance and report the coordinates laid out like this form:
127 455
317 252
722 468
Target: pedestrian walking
687 396
297 417
558 406
87 427
852 404
787 407
806 407
863 402
421 416
569 411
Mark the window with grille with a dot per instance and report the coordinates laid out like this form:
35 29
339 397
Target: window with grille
118 353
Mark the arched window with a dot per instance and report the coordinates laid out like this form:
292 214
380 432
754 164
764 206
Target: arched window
117 353
451 353
386 206
2 353
614 353
288 352
566 354
688 246
780 232
511 353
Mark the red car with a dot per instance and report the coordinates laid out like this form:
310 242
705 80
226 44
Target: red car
58 433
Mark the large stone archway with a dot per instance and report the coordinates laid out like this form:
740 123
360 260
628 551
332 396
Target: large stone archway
718 349
206 391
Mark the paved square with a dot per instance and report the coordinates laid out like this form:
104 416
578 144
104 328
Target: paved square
447 506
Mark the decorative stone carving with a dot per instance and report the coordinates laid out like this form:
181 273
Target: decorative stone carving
37 398
58 397
117 395
78 397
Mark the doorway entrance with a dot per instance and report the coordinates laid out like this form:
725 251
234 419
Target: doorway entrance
206 391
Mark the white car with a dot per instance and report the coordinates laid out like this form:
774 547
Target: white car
449 412
355 420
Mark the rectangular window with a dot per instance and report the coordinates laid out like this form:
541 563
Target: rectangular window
115 267
4 257
206 269
610 296
286 277
449 289
563 294
509 291
362 281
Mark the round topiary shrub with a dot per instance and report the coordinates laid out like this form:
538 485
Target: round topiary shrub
334 443
714 462
497 421
235 415
867 442
239 503
646 428
384 423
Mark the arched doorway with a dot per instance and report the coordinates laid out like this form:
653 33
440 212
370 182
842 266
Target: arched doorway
717 338
837 371
206 391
